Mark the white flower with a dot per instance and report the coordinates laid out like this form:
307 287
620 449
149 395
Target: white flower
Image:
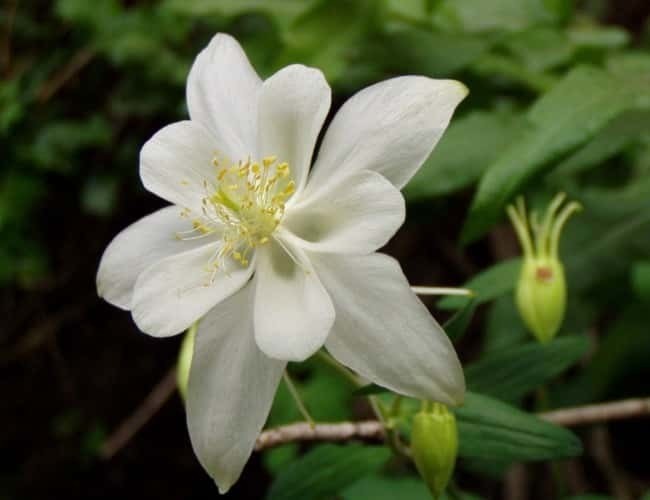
279 260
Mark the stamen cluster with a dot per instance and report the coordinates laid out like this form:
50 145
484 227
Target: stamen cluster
245 201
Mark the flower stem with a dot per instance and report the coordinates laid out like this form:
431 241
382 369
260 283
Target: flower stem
339 368
298 400
441 290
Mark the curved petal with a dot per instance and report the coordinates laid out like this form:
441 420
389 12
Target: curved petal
140 245
176 162
292 108
358 215
293 311
390 127
175 292
222 92
383 331
231 388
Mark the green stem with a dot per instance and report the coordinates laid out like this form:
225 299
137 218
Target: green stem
296 397
339 368
356 381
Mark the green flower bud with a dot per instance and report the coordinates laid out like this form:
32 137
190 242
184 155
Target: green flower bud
185 361
541 292
434 445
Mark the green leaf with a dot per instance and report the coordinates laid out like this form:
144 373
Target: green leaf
466 149
282 10
507 15
326 470
511 373
328 35
490 429
641 279
384 488
487 285
573 112
391 488
623 131
504 327
413 50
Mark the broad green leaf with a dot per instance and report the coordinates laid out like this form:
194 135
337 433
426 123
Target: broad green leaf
540 49
392 488
466 149
511 373
487 285
490 429
283 11
387 488
435 54
326 470
623 131
573 112
503 325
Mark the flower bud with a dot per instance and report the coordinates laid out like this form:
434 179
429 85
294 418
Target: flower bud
541 291
434 445
185 361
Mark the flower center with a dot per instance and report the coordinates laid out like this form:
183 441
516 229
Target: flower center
246 202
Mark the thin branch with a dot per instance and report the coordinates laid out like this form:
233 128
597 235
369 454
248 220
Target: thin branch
373 429
597 413
158 396
58 80
369 430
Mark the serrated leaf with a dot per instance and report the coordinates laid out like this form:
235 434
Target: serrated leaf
326 470
488 285
511 373
490 429
565 118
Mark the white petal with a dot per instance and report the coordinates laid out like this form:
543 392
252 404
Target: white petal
140 245
176 161
293 105
222 90
293 312
231 388
176 291
383 331
390 127
358 215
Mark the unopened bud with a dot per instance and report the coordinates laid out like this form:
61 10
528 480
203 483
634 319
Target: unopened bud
434 445
185 361
541 292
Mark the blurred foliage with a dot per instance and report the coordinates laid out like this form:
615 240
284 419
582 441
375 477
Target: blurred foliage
559 101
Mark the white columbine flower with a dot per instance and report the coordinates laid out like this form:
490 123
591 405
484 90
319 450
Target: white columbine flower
278 260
